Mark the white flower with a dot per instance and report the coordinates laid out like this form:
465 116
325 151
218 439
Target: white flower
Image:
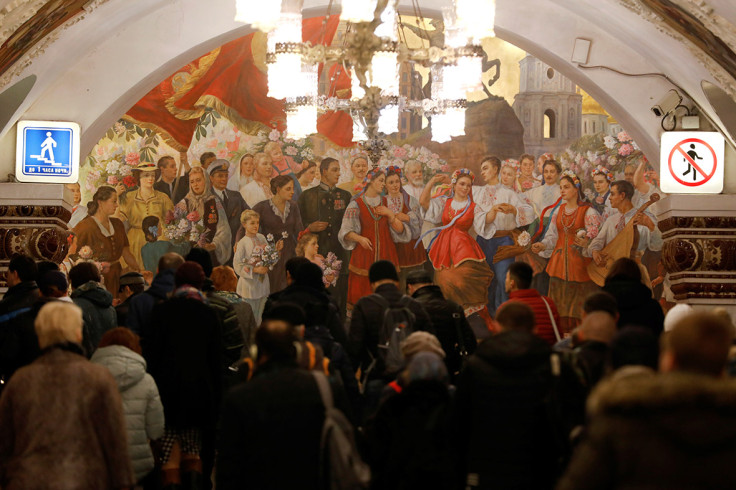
274 135
112 167
524 239
610 142
285 235
269 237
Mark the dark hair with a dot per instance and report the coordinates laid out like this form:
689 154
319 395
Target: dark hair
305 167
279 181
494 160
45 266
170 260
83 273
275 339
624 268
552 162
601 301
103 194
138 172
521 273
700 343
162 161
205 156
190 273
581 195
324 165
24 266
132 280
382 269
291 313
420 276
309 275
515 315
148 222
527 156
122 336
53 284
634 346
624 187
293 264
201 257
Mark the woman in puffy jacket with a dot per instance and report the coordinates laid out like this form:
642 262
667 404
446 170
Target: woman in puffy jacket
120 352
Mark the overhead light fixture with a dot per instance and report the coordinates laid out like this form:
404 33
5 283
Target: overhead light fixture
373 56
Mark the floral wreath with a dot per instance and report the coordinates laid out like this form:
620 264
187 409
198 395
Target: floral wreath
571 175
462 172
395 169
372 174
601 170
512 164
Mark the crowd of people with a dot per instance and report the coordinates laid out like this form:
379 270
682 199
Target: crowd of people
262 211
175 385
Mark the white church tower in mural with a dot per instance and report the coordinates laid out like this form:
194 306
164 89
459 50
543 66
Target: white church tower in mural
548 106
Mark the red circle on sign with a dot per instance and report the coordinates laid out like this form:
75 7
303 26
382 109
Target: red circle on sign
707 177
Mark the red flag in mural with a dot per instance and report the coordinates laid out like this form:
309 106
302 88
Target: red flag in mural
229 80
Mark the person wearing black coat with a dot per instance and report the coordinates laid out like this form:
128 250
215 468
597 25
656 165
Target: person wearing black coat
22 289
636 305
516 404
448 320
183 349
271 426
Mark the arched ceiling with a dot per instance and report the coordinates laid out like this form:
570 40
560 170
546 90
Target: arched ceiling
98 58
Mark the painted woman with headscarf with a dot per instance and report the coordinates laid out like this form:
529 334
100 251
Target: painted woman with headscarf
200 199
461 270
371 230
406 209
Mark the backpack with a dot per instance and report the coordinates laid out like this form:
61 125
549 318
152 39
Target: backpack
398 324
341 467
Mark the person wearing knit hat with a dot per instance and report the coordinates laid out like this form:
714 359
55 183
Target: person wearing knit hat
421 342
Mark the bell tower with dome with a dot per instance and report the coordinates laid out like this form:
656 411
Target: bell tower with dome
548 106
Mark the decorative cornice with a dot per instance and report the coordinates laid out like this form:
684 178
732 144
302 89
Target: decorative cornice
15 14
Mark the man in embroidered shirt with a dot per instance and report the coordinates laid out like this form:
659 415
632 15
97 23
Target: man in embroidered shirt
510 212
649 235
322 209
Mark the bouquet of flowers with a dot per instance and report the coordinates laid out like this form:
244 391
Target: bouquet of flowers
86 254
113 171
265 256
331 267
299 150
180 227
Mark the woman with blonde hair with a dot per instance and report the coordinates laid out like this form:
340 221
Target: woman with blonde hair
61 417
259 189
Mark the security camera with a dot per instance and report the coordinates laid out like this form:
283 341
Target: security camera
667 103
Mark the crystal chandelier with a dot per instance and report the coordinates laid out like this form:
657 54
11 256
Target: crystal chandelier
372 55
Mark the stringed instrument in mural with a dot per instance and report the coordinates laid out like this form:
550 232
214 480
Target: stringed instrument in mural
619 247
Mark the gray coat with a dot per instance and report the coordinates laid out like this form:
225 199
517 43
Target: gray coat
144 414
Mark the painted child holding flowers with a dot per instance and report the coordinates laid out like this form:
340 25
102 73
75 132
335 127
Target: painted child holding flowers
253 257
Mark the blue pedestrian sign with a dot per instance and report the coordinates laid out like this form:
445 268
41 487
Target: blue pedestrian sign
47 151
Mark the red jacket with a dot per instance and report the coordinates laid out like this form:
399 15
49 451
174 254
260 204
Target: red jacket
542 323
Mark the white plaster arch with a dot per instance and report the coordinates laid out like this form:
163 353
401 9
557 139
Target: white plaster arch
95 69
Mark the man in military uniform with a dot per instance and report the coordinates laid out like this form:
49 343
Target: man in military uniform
322 209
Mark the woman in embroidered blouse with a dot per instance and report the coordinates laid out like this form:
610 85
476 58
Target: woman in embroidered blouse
572 226
259 189
371 231
461 270
280 215
526 173
406 209
141 202
106 236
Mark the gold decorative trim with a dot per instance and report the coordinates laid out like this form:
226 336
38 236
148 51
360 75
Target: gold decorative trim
205 63
164 134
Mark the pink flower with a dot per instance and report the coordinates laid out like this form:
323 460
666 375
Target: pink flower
400 152
211 143
274 135
169 217
132 158
290 150
193 216
444 168
129 181
625 150
223 153
234 144
623 137
112 180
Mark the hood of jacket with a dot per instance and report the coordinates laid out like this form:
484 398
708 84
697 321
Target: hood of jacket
127 367
630 294
94 293
694 410
162 284
428 293
514 350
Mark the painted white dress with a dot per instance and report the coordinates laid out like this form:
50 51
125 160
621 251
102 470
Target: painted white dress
254 287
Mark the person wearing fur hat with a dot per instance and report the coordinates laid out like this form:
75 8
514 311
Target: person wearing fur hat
143 201
672 430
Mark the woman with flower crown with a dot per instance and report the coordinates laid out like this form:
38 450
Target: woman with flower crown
572 225
461 270
406 209
602 179
371 230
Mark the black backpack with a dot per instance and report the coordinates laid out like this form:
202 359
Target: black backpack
398 323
